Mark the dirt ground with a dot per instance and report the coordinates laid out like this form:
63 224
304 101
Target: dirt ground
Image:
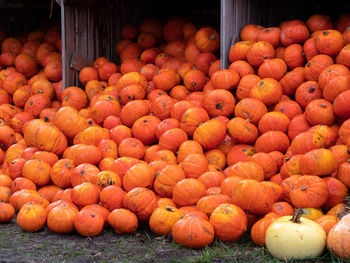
45 246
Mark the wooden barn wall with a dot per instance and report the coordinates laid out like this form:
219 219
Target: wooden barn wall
93 30
235 14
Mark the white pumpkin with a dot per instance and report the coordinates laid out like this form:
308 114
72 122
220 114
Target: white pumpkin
295 237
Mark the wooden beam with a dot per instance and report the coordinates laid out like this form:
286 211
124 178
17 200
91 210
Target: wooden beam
68 40
81 2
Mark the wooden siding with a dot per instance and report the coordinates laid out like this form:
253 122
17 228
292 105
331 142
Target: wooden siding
235 14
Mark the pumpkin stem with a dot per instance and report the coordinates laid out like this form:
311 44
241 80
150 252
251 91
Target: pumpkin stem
170 209
296 216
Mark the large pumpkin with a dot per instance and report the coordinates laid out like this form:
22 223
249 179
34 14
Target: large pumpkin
45 136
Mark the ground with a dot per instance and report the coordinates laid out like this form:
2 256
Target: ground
45 246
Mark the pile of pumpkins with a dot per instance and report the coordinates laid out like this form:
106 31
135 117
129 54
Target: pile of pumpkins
169 139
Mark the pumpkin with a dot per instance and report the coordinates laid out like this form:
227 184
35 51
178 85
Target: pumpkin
163 219
272 141
74 97
166 179
274 68
251 109
111 197
242 131
69 121
37 171
88 223
91 136
212 179
259 228
242 67
268 90
239 50
194 165
106 178
166 79
61 219
292 80
343 56
306 141
161 106
194 80
329 135
337 240
294 56
85 194
314 67
309 191
342 173
327 222
188 191
245 85
339 107
271 35
200 231
284 242
273 121
85 172
208 203
229 222
31 217
207 39
139 175
266 162
319 22
188 147
252 196
141 201
282 209
224 79
251 32
210 134
259 52
49 192
172 139
318 162
191 118
123 221
329 42
246 170
7 212
82 153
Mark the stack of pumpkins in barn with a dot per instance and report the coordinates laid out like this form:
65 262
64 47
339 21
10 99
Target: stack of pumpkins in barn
169 139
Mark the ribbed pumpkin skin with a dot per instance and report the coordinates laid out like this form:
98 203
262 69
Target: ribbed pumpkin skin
141 201
338 239
318 162
69 121
123 221
200 231
61 219
44 136
258 230
88 223
229 222
163 219
309 191
252 196
31 217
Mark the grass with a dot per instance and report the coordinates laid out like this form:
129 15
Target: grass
144 246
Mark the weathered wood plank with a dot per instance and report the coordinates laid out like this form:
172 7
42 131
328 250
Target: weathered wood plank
68 40
81 28
227 30
78 62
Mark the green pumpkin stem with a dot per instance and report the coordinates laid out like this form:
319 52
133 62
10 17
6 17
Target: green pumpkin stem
296 216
